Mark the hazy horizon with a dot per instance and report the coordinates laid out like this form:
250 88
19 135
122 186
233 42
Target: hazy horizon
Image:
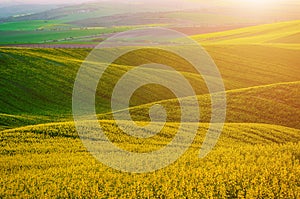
83 1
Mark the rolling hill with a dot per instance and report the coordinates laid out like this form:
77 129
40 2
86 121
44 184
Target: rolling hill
22 10
82 22
37 88
276 104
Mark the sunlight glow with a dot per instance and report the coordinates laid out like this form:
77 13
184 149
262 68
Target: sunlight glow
260 2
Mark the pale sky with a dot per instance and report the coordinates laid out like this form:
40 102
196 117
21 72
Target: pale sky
42 1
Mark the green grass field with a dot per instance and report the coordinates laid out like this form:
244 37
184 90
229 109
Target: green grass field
257 156
30 25
49 35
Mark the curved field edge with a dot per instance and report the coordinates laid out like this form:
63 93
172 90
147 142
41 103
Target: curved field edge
237 133
270 104
15 121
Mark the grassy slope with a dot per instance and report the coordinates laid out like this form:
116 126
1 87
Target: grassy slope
13 121
256 55
44 78
272 104
250 64
255 65
52 96
38 81
270 33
